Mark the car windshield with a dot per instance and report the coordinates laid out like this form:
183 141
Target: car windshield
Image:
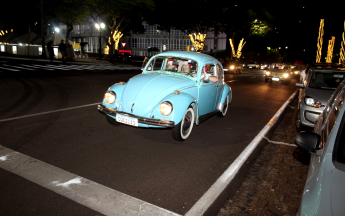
173 65
326 80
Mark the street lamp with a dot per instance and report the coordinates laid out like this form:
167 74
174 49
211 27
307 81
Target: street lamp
100 27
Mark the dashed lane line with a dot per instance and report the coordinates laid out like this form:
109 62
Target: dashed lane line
95 196
44 113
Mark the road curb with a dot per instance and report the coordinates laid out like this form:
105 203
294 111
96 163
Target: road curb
212 200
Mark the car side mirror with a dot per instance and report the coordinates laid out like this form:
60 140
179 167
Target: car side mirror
308 141
300 85
206 80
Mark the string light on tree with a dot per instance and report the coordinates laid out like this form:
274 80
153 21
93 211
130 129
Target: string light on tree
319 42
239 49
198 41
342 48
116 37
330 50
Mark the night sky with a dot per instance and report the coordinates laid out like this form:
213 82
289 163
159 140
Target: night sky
296 24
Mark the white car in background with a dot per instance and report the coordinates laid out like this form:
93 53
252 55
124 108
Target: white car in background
253 65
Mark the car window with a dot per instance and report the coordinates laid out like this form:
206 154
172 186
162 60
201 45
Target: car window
209 69
325 80
155 64
339 147
219 72
331 113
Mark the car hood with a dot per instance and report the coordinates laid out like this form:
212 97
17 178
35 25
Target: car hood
323 95
143 92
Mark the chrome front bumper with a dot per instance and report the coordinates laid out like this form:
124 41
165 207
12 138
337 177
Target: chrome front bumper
148 121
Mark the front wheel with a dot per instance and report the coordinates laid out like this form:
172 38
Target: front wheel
111 120
182 130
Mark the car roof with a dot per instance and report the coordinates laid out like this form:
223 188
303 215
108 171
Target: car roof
200 57
328 69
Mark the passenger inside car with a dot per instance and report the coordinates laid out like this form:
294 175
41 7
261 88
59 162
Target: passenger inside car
185 67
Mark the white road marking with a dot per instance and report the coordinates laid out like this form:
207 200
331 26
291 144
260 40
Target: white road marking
95 196
53 111
9 69
224 180
18 67
278 143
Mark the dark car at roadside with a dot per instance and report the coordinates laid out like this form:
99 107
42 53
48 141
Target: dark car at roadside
324 189
315 91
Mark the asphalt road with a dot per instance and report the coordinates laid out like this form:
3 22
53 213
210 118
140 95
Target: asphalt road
143 163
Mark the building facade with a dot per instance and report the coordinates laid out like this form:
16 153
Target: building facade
151 42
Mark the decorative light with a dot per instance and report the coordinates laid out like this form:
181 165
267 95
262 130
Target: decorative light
116 36
342 48
198 41
239 49
319 42
330 50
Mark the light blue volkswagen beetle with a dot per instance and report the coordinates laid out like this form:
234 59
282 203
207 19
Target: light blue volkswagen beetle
175 90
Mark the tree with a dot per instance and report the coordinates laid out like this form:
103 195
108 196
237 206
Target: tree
69 12
120 16
72 12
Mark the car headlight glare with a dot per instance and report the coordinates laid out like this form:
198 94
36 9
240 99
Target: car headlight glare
232 67
296 72
312 102
110 97
285 75
268 73
166 108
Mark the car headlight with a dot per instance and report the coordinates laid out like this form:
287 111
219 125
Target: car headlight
286 75
268 73
296 72
110 97
312 102
232 67
166 108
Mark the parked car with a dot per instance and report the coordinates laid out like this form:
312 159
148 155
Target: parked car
315 91
232 66
278 75
324 189
253 65
175 90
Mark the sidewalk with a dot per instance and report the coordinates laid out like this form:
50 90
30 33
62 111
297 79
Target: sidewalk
275 183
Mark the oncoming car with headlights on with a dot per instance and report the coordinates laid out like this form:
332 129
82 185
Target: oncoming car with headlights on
282 75
175 90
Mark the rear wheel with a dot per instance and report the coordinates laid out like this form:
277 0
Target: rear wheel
182 130
225 108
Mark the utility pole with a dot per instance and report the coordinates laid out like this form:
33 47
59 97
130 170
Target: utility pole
44 55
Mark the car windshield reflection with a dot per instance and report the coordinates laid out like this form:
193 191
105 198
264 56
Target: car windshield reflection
326 80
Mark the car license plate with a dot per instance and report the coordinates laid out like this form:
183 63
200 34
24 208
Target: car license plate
250 67
275 79
127 120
